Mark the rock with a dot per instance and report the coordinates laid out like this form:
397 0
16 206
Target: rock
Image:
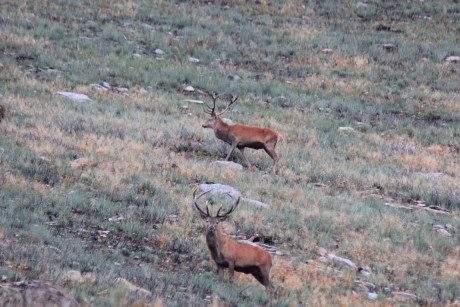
389 47
116 219
228 121
403 296
193 60
255 202
233 76
364 271
159 51
106 85
4 278
372 295
79 163
448 226
361 4
399 206
73 277
342 261
120 89
193 101
327 50
345 129
189 88
99 87
133 288
453 59
230 164
74 96
217 189
35 293
136 56
443 232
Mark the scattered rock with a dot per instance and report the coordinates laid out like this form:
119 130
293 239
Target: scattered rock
409 208
341 260
441 230
116 219
193 60
230 164
133 288
4 278
35 293
345 129
453 59
189 88
389 47
372 295
217 188
79 163
255 202
403 296
364 271
233 76
159 51
361 4
74 96
73 277
136 55
120 89
193 101
327 50
106 85
99 87
228 121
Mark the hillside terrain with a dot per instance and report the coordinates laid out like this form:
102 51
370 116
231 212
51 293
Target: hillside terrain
96 188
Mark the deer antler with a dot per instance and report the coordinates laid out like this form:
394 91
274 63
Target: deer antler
232 101
214 96
235 204
195 198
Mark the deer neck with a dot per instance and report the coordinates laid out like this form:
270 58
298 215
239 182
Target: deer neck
215 240
221 130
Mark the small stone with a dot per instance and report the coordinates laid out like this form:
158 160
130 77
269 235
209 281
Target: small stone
189 88
403 296
159 51
75 96
193 101
230 164
120 89
73 276
372 295
136 55
327 50
4 278
389 47
193 60
106 85
346 129
443 232
453 59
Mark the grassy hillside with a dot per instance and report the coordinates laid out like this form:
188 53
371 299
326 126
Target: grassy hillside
104 187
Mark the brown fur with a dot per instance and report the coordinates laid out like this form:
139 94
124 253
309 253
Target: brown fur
235 256
241 137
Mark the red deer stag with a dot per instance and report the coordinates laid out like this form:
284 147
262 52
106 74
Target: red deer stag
234 256
241 136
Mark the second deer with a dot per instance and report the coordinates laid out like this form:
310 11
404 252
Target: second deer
234 256
241 136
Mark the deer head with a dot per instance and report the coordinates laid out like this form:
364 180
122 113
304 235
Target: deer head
212 122
212 221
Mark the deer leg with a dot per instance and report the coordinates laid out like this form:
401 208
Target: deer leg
271 152
231 271
220 271
231 150
244 156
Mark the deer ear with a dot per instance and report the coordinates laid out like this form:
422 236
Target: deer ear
223 218
204 216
